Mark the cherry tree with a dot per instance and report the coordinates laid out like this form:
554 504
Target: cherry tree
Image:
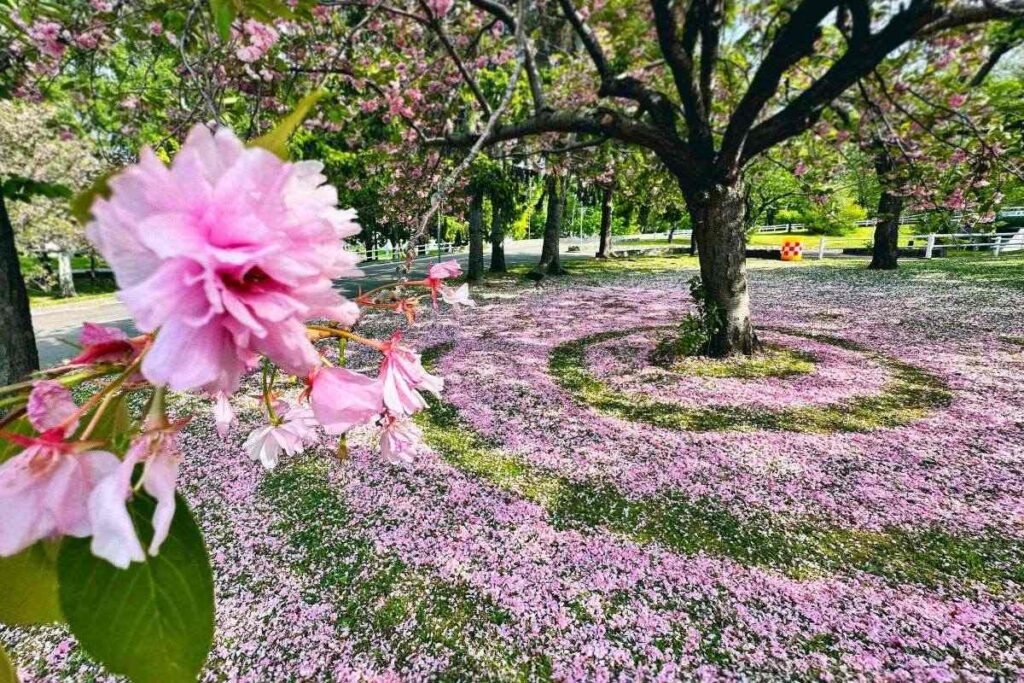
707 87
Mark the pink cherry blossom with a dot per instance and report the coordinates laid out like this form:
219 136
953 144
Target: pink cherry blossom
440 7
402 374
259 38
291 436
47 38
956 100
44 492
50 406
223 414
400 439
457 297
437 274
227 252
342 399
103 344
113 534
155 28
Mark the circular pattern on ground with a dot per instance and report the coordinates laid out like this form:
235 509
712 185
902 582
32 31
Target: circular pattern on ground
709 404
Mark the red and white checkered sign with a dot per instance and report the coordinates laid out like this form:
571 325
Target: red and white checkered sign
792 251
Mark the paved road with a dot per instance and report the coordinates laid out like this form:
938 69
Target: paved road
57 323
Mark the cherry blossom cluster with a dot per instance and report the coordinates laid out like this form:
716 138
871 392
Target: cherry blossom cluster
226 260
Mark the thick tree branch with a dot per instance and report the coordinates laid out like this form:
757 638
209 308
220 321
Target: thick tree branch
499 11
612 84
604 122
680 62
921 19
794 41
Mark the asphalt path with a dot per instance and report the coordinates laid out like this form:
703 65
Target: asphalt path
55 324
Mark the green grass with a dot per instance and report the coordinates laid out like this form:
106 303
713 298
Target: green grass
775 239
910 394
377 597
772 361
87 288
1005 271
800 548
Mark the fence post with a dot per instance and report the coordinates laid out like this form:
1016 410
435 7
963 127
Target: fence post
930 246
999 246
821 247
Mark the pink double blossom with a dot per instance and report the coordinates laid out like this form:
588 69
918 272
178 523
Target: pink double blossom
227 253
342 399
259 38
436 275
400 440
402 375
45 488
290 435
113 533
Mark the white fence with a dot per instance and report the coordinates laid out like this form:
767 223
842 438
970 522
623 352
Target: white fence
398 253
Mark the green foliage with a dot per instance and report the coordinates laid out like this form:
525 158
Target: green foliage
7 672
694 334
152 622
81 203
28 586
837 215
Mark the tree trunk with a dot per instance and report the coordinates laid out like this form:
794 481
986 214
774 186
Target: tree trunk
18 355
718 229
605 247
887 231
65 276
550 262
497 239
475 271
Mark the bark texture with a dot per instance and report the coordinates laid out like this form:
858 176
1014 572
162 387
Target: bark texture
550 262
18 355
475 270
719 232
604 249
885 252
498 219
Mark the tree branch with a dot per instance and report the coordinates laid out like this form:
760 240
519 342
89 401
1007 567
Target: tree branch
680 62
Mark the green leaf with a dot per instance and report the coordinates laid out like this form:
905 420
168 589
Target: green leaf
19 188
223 12
28 586
152 622
276 140
7 671
22 427
81 203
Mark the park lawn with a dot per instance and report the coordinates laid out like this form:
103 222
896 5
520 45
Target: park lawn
847 520
87 288
862 233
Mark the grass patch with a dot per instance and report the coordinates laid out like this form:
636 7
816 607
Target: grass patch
909 395
801 549
772 361
377 598
86 287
